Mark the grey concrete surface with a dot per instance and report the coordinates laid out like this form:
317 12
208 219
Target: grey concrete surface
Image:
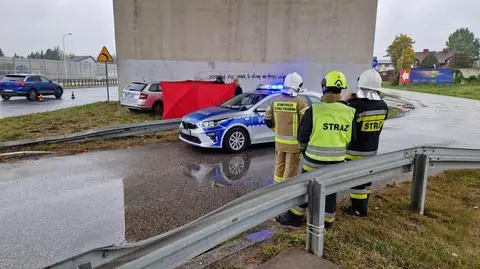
297 259
18 106
156 39
266 31
57 206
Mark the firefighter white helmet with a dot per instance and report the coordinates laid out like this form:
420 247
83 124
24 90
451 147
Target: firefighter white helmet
293 81
369 84
370 80
292 84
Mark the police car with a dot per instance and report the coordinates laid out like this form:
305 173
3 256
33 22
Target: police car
237 123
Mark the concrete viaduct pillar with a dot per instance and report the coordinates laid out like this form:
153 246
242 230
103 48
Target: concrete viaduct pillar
253 40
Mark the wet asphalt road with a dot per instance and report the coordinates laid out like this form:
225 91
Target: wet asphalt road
21 106
56 207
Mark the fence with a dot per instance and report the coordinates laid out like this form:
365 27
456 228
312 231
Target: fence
56 69
86 82
178 246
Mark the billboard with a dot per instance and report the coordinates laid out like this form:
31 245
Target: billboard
431 75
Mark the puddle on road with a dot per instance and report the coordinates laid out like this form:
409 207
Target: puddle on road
203 181
229 170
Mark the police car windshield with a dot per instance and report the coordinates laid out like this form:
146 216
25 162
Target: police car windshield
243 101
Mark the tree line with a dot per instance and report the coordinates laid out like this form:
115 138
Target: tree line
54 53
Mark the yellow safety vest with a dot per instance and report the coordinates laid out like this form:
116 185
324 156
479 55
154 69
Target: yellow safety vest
331 133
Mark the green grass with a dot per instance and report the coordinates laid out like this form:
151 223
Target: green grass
395 237
471 91
68 121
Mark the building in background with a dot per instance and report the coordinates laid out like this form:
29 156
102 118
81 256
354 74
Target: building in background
443 56
385 64
83 59
385 68
253 41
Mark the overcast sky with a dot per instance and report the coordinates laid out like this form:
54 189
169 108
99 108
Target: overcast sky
28 25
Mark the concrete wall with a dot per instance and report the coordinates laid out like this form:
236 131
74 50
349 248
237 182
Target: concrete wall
187 39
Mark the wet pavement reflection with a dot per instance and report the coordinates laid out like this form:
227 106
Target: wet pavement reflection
56 207
184 191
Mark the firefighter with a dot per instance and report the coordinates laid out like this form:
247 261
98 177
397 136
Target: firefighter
323 135
283 116
371 113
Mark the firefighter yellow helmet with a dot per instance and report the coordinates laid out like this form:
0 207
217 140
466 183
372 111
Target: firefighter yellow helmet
335 79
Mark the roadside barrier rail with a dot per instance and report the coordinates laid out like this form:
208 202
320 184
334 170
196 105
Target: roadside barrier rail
87 82
109 132
175 247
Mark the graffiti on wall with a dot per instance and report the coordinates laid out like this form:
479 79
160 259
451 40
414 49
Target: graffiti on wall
244 76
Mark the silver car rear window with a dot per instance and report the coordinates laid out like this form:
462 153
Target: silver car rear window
136 87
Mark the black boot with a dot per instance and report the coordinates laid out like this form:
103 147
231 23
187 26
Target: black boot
290 219
353 212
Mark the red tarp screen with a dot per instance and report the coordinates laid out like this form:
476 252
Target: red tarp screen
181 98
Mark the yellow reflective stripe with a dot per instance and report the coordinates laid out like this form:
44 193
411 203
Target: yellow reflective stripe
329 219
359 196
290 107
371 118
326 158
303 110
275 119
295 124
312 164
354 157
372 113
297 212
362 153
308 168
285 141
277 179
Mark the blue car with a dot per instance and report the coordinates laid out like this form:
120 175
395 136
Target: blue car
237 123
29 86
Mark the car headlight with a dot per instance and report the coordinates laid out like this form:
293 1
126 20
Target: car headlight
209 124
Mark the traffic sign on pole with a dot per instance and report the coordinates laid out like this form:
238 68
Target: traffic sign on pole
374 62
105 57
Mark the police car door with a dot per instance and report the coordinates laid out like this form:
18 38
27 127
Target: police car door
261 133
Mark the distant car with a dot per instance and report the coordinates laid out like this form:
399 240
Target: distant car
237 123
143 96
29 86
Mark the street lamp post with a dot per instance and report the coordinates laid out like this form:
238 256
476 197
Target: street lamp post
65 54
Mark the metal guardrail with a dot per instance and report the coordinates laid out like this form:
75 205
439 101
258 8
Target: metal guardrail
175 247
110 132
87 82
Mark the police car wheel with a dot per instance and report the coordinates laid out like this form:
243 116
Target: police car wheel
235 141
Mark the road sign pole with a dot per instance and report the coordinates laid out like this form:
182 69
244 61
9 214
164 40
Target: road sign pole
105 57
106 75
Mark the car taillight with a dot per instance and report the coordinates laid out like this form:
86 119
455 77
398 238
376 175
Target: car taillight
20 83
143 96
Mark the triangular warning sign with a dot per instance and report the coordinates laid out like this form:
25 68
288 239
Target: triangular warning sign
104 56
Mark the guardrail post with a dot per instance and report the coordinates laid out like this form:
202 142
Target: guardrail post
316 217
419 183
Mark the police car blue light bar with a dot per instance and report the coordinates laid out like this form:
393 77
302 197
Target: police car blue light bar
270 87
